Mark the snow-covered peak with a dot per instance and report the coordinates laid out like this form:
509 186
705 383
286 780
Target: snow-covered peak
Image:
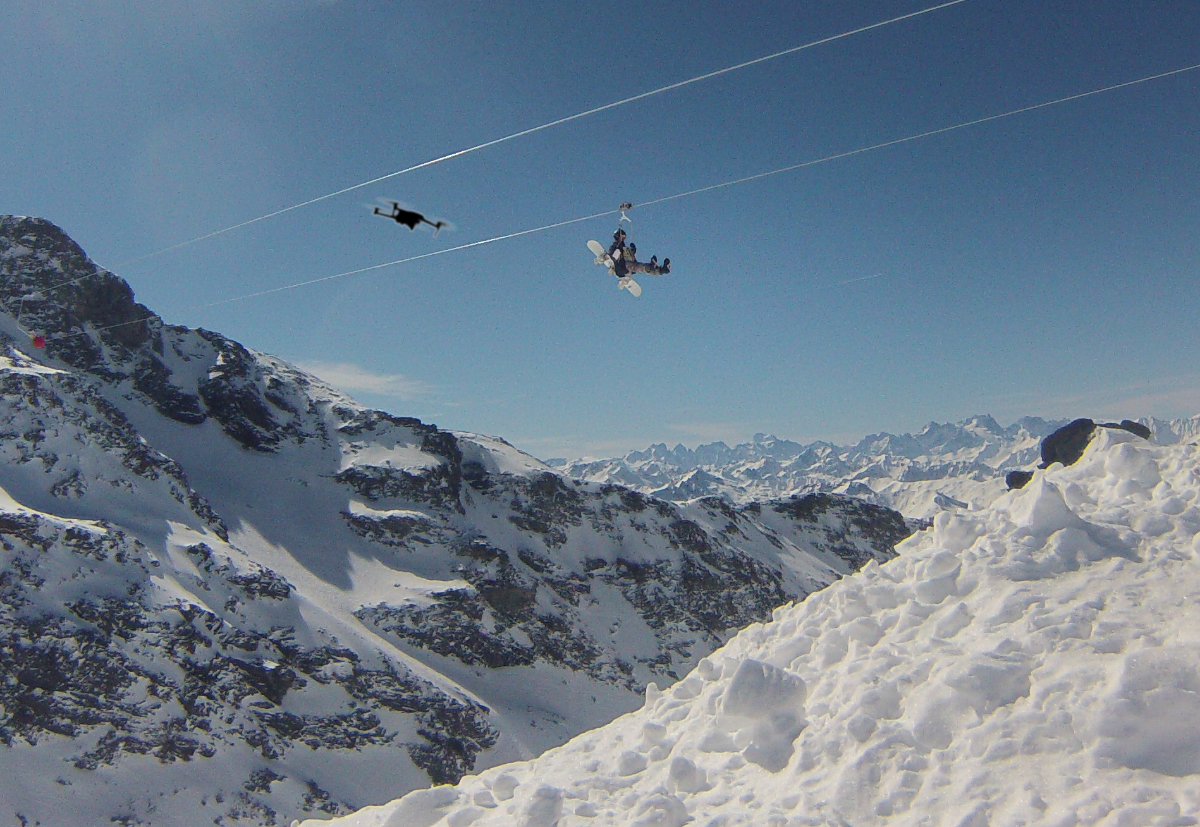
494 455
1036 662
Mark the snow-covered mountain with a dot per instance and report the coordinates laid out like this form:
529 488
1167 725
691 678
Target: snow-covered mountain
230 593
945 466
1034 662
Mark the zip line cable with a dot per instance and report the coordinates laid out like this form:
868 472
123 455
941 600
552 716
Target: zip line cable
699 190
513 136
712 187
916 137
534 129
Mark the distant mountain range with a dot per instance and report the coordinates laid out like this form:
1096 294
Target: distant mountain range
228 593
944 466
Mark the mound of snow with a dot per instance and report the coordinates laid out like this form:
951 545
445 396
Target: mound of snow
1034 663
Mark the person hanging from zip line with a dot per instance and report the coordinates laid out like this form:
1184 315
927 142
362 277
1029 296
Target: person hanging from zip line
625 261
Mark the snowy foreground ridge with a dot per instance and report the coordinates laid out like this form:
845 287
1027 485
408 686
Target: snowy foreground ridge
1037 662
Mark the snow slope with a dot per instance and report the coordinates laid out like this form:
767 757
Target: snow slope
1035 662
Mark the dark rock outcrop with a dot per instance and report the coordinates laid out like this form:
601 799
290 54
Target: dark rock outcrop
1136 428
1067 444
1017 479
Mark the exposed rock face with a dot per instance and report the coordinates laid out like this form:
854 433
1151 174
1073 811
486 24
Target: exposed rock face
846 523
1017 479
1067 444
54 418
92 324
1136 428
533 606
222 583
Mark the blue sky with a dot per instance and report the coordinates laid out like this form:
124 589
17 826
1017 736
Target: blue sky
1044 264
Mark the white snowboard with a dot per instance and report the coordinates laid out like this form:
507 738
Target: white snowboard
602 257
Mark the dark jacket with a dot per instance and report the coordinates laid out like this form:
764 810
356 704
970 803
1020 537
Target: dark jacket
616 251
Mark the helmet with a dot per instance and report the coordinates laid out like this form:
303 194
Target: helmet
620 233
632 247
